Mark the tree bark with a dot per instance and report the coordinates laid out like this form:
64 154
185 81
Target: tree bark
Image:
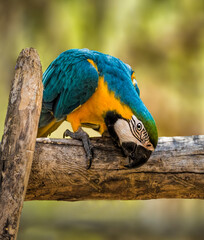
18 142
175 170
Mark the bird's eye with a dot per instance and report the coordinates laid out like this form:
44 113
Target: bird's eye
139 126
134 81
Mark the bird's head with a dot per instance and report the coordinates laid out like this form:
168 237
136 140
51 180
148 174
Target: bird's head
137 138
127 119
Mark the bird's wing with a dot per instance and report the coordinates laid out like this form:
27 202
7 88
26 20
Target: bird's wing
68 83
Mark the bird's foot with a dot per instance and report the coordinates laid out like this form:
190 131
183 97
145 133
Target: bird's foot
84 137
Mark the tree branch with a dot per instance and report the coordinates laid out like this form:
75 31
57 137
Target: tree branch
18 142
175 170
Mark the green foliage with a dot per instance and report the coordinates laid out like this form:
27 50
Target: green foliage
107 220
161 40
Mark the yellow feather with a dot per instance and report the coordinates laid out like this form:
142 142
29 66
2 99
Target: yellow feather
93 63
48 129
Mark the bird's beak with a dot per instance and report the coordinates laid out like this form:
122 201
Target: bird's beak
138 155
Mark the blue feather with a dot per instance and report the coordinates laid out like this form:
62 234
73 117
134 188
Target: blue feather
70 80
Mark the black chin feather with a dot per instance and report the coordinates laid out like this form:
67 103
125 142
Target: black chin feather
111 118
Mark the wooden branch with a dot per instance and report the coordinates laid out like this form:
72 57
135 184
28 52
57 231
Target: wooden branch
18 142
175 170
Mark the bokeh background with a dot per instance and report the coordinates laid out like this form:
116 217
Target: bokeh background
163 41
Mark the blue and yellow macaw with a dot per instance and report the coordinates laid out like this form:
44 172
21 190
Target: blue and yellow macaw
91 89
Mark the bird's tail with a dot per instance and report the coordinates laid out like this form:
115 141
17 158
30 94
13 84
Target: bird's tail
47 124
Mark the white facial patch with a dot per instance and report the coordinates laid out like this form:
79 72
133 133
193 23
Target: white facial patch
133 131
123 132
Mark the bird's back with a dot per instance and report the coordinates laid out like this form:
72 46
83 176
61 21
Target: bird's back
72 78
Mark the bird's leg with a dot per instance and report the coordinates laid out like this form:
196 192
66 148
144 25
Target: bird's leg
84 137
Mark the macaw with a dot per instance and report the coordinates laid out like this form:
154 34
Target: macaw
91 89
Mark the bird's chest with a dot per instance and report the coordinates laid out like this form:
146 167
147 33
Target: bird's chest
93 111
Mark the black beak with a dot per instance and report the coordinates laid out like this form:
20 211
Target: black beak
138 155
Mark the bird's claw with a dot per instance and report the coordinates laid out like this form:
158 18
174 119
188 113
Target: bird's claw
67 133
84 137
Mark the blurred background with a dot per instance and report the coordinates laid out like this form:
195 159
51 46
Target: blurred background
163 41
